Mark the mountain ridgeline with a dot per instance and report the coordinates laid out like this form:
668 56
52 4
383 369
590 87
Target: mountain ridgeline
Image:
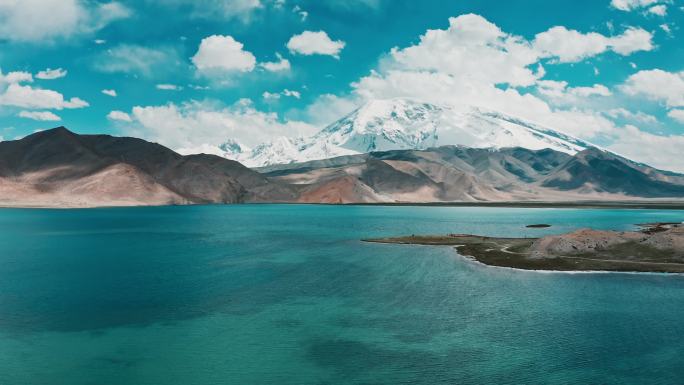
404 124
462 174
58 168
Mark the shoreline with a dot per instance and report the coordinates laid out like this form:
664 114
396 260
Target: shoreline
583 251
589 205
569 272
474 261
655 205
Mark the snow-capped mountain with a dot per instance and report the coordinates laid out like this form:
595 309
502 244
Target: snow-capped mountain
233 147
400 124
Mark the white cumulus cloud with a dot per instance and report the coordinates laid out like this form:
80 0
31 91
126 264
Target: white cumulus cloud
24 96
663 86
294 94
169 87
45 116
111 93
270 95
192 126
15 77
473 48
47 20
276 95
560 92
15 93
677 115
661 151
630 5
315 43
223 54
638 116
119 115
632 40
660 10
50 74
281 64
572 46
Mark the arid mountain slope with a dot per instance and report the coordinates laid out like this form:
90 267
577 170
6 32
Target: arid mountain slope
597 170
455 173
59 168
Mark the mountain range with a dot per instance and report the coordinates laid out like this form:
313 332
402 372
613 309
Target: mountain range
59 168
464 174
405 124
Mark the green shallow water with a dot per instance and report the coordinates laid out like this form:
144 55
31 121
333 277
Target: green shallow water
287 294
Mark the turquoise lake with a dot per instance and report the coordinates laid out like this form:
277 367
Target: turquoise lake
288 294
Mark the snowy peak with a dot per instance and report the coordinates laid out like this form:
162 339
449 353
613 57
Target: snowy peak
382 125
233 148
380 116
280 150
406 124
555 139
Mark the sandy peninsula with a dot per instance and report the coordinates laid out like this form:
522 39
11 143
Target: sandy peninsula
656 247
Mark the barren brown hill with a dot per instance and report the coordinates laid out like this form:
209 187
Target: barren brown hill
59 168
462 174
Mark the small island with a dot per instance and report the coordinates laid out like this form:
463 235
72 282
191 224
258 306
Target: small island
656 247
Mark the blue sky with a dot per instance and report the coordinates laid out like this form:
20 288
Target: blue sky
193 74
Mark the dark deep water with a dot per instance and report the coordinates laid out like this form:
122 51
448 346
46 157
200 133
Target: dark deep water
287 294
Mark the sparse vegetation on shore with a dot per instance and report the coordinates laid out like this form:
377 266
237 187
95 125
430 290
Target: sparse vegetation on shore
657 247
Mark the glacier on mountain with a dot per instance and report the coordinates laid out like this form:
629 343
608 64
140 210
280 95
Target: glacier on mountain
400 124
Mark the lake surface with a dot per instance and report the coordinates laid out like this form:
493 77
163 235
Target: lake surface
287 294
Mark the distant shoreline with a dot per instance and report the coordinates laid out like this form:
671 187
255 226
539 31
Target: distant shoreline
657 248
664 205
627 205
568 272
